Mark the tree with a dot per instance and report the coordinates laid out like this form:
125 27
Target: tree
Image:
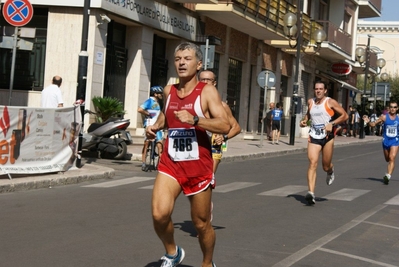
394 90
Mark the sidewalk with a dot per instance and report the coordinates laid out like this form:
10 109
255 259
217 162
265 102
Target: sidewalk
241 147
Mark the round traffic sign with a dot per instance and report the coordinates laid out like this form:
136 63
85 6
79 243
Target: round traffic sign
266 78
18 12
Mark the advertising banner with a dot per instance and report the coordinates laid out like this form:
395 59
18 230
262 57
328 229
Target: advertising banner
38 140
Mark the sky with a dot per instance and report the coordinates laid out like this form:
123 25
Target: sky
389 11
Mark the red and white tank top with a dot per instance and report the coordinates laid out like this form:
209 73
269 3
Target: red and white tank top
187 149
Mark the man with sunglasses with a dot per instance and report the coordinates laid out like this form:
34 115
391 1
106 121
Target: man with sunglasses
390 137
321 110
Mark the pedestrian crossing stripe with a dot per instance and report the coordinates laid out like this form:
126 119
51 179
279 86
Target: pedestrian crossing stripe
345 194
120 182
233 186
393 201
285 191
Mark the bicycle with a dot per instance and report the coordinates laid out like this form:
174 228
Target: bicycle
152 156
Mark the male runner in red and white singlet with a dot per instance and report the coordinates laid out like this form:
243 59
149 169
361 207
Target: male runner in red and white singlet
191 109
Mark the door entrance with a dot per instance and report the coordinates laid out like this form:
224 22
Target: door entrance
116 62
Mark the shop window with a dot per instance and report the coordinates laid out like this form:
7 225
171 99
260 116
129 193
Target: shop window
159 69
29 59
234 86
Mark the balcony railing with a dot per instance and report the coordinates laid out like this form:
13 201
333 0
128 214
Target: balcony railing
272 12
337 36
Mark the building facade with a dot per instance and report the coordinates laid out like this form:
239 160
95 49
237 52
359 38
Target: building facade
131 45
384 41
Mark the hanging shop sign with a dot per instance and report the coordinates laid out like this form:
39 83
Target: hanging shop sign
341 68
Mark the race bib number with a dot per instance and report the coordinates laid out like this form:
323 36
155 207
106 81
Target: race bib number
183 144
318 131
391 131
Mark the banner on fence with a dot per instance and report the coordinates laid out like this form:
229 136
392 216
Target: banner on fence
38 140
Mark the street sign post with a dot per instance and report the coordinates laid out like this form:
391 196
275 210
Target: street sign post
17 13
266 79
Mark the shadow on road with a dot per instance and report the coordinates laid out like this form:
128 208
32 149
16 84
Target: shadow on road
301 198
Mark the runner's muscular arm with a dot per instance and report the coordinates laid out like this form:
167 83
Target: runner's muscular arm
215 119
381 119
337 108
235 127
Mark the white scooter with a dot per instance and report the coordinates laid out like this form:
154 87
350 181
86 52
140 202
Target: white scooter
109 139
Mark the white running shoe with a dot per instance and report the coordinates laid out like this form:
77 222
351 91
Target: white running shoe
330 177
173 261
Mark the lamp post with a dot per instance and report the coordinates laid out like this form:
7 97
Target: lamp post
293 23
363 55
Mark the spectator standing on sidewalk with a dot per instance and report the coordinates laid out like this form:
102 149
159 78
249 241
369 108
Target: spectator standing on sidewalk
390 137
52 95
321 109
356 123
277 114
191 109
209 77
351 121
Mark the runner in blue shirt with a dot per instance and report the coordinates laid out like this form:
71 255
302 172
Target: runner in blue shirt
390 136
277 114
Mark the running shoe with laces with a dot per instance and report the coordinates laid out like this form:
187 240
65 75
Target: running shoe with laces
386 178
310 198
330 177
172 261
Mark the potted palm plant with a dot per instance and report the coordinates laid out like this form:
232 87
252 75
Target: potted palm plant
107 107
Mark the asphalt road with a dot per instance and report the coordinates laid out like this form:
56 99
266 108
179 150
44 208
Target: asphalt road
260 217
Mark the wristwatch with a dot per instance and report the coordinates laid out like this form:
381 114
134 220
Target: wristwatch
332 123
196 119
225 138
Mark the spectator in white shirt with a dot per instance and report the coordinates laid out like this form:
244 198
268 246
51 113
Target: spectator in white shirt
51 95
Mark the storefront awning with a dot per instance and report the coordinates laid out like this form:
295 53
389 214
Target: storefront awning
348 86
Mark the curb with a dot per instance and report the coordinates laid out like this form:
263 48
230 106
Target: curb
86 173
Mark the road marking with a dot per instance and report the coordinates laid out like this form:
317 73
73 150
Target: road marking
285 191
357 257
120 182
382 225
393 201
233 186
357 156
346 194
147 187
294 258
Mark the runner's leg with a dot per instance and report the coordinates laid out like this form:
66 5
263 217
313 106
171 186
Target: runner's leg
313 156
164 195
200 210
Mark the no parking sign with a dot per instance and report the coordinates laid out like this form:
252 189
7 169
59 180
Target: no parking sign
18 13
